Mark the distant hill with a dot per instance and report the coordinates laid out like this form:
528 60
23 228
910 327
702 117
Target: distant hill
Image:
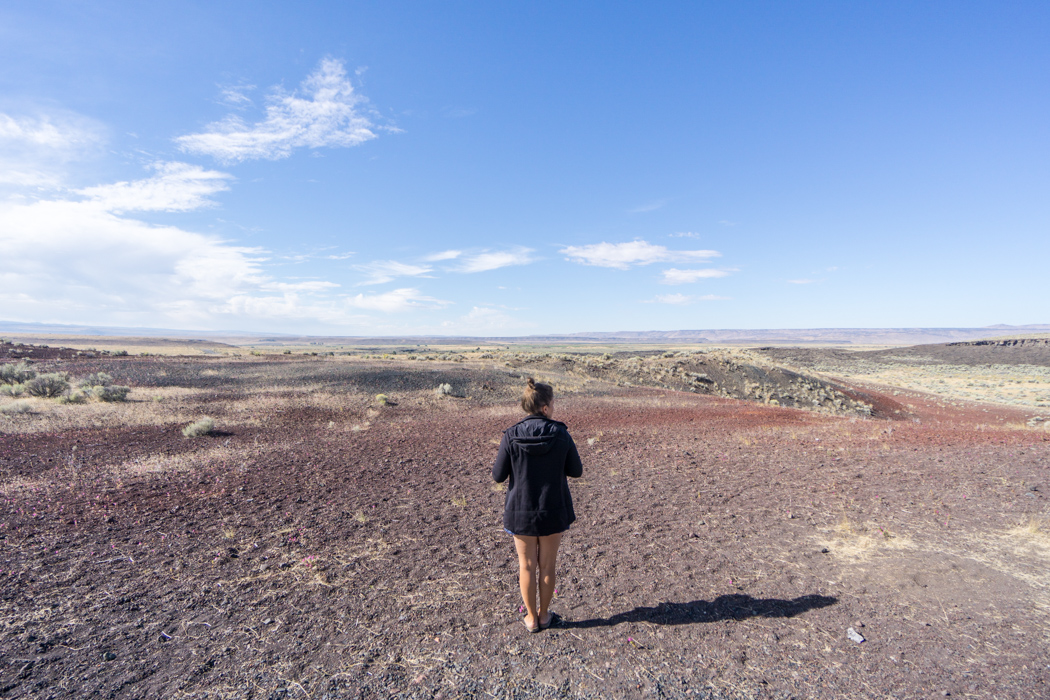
792 337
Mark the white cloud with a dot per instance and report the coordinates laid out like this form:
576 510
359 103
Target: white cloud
681 299
800 281
76 262
622 256
175 187
35 150
82 261
444 255
482 262
324 112
383 271
684 234
405 299
676 276
42 132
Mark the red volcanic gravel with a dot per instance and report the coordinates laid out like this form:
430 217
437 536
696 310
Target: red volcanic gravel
723 550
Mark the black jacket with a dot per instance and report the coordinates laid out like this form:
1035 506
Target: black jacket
537 454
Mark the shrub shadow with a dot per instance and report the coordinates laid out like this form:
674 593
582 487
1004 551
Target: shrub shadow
725 607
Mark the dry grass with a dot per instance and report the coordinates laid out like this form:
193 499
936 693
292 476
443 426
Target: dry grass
858 542
1032 535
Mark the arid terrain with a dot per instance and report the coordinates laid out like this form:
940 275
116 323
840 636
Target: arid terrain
766 523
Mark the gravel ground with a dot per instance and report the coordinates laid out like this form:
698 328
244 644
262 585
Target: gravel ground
324 544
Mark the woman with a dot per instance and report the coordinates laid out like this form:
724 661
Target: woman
536 454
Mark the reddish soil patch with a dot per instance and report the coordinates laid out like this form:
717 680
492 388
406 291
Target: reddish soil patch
723 548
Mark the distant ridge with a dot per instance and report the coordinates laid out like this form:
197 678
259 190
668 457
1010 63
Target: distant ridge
788 336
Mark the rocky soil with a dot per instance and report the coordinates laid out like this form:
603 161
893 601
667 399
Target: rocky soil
324 544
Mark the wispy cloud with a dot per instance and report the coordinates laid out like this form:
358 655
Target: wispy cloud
676 276
484 320
650 206
307 286
383 271
35 150
175 187
482 262
682 299
622 256
684 234
325 111
801 281
236 95
443 255
726 222
405 299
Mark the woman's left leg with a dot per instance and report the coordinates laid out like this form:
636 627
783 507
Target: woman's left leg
528 562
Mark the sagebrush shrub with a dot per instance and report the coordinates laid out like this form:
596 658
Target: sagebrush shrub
17 407
74 397
16 374
12 389
97 379
204 426
47 386
443 390
111 393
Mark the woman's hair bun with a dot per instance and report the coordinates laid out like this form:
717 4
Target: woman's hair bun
536 396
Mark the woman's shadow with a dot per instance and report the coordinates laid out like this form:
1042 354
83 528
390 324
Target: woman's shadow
725 607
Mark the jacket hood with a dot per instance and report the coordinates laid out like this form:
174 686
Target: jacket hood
535 435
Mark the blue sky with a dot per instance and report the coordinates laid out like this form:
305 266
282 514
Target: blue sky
519 168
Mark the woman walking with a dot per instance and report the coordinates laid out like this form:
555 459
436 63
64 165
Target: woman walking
537 454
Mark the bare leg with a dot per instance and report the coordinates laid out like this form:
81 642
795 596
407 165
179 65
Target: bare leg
548 555
527 564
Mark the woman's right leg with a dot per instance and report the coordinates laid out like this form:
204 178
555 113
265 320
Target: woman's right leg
527 564
548 556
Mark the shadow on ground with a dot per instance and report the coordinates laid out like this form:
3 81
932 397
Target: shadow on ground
725 607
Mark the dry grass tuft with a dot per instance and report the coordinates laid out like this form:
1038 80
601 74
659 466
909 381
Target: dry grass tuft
199 428
1035 533
861 541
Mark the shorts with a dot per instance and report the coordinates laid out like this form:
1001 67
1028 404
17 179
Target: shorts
515 534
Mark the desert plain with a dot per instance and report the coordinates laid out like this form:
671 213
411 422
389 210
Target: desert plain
752 523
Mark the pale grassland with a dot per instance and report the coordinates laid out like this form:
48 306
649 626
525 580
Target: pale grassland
133 346
71 469
1018 385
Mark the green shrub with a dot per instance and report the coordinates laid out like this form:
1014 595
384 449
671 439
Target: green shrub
204 426
16 374
48 386
98 379
12 389
110 394
17 408
76 396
